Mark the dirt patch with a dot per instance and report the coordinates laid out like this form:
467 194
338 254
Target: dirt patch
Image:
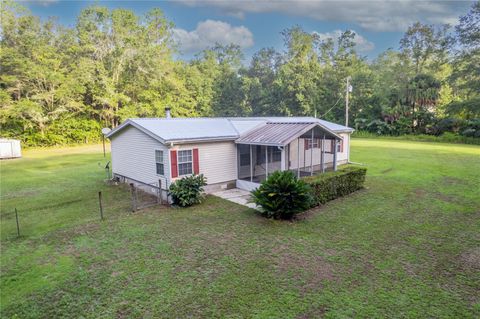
450 180
22 193
309 271
471 259
64 236
308 213
388 170
317 312
446 198
58 205
420 192
205 253
320 268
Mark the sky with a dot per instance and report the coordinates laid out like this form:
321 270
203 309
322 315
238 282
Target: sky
199 24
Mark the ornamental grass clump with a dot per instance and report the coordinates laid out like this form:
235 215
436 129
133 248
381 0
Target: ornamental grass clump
282 195
187 191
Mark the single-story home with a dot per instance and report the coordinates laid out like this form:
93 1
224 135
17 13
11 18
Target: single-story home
230 152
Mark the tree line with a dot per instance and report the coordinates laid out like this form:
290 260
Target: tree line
62 84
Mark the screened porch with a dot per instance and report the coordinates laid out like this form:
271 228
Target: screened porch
304 148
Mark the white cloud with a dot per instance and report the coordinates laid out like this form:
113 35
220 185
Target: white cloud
210 32
373 15
361 43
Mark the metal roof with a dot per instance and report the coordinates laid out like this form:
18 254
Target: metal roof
183 130
294 119
281 134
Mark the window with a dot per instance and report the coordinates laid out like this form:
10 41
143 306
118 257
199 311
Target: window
159 162
185 162
340 146
316 143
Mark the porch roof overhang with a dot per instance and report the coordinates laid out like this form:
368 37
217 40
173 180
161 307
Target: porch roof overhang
282 134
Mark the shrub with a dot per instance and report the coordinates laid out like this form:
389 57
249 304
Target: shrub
331 185
187 191
282 195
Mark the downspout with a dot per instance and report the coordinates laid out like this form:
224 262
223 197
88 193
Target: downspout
348 152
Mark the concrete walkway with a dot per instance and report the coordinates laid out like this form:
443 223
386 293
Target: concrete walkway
236 195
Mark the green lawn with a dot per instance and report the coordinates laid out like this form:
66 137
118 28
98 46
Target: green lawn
408 246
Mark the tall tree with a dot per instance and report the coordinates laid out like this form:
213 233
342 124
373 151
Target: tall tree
424 44
466 73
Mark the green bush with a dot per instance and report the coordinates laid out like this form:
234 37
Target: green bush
331 185
282 195
187 191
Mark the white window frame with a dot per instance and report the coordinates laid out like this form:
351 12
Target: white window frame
162 162
178 162
316 143
339 147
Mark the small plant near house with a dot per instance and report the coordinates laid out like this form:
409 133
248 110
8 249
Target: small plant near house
188 191
282 195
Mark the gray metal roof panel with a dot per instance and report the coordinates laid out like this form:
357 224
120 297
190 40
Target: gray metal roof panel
184 129
272 133
280 133
245 125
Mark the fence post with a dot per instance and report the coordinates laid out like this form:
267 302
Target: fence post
160 191
18 226
100 203
134 200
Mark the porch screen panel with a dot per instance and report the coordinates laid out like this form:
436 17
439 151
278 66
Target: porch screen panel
243 160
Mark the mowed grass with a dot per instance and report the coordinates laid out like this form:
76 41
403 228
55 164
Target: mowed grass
407 246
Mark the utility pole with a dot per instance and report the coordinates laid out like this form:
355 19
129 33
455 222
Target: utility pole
348 90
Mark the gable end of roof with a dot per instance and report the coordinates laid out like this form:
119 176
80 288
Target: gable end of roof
129 122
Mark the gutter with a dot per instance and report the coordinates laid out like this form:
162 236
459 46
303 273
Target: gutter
201 140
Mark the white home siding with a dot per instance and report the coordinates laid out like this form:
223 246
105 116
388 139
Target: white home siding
133 156
217 160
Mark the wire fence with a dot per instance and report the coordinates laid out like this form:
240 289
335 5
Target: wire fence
144 195
119 196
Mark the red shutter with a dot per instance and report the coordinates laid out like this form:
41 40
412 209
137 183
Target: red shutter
173 162
341 146
306 144
196 167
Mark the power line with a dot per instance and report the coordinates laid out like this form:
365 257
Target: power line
331 107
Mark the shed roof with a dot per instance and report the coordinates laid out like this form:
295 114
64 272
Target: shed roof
281 134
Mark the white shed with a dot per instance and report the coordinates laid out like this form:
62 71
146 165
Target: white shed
10 148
